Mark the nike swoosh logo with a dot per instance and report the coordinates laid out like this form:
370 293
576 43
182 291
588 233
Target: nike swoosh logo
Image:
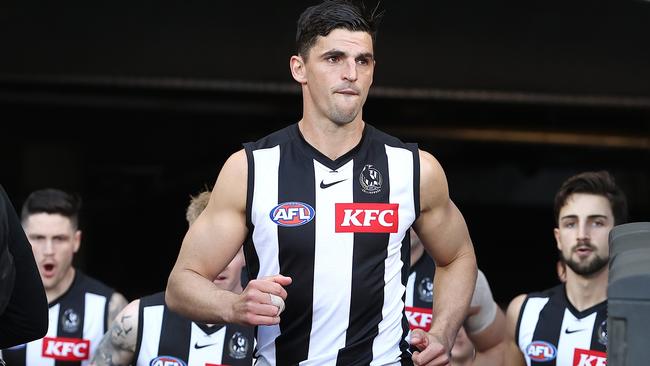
199 346
567 331
324 185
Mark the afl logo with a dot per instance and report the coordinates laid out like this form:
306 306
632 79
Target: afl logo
541 351
292 214
167 361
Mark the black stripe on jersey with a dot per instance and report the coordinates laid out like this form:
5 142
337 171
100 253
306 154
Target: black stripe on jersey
174 328
368 268
598 340
71 306
406 259
416 180
250 254
228 353
550 332
16 356
144 302
292 345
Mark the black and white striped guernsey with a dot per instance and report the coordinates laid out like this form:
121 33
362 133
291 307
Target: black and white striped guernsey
550 331
340 230
77 322
419 293
166 338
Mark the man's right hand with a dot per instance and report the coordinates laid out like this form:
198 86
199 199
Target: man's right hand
254 306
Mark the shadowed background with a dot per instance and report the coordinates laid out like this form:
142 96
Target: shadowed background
137 105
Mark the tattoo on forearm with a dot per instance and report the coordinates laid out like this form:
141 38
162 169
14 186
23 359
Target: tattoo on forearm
117 347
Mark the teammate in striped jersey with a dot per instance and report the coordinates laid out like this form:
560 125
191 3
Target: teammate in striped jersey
479 340
80 307
567 324
324 207
148 333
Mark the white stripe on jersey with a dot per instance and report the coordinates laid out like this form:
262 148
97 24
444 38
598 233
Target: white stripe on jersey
265 237
93 322
528 323
400 168
576 338
208 353
151 327
35 348
332 264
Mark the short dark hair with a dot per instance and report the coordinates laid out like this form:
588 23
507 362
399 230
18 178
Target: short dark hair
53 201
599 183
321 19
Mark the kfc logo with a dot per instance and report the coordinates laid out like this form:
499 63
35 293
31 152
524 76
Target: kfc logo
583 357
419 318
66 349
367 217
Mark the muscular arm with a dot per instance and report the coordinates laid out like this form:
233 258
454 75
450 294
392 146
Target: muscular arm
117 347
512 353
209 245
443 232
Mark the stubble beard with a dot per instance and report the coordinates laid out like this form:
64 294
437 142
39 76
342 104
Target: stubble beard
587 267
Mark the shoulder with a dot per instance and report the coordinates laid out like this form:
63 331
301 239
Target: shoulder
91 284
515 304
513 312
275 138
130 313
433 182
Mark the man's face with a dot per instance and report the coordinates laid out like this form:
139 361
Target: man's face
230 278
54 243
338 74
583 233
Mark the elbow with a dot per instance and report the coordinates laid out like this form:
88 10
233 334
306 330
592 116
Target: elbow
170 294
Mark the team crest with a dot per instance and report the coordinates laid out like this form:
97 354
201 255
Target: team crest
425 290
370 179
602 333
70 321
238 346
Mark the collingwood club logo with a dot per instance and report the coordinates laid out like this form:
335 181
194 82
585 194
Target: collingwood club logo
238 346
370 179
425 289
70 321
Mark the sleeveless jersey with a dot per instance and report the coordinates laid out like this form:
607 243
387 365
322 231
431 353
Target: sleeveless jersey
339 229
77 321
550 331
166 338
419 293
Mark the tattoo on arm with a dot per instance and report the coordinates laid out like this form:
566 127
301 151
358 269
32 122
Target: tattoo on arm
117 347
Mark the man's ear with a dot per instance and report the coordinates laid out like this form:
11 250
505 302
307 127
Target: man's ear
297 65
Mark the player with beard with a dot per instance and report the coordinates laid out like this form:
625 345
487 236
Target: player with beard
567 324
